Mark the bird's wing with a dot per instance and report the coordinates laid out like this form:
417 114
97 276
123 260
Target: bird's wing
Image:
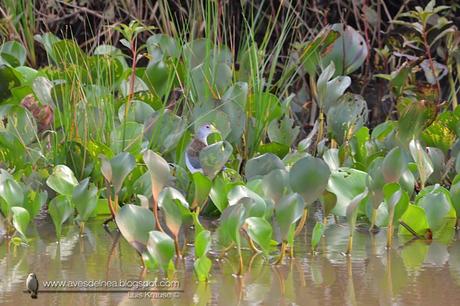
193 154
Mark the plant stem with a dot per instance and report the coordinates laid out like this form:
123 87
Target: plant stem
176 244
283 250
350 244
302 222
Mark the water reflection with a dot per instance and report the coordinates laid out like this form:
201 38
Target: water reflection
414 271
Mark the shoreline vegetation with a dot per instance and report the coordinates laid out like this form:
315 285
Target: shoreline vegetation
343 114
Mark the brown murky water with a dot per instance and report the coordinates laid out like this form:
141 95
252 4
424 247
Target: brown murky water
414 273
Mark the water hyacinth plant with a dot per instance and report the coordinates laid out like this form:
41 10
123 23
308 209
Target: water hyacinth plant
114 130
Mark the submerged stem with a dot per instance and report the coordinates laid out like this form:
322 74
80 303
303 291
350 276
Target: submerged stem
283 250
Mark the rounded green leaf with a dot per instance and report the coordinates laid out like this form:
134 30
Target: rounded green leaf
175 208
202 243
260 230
202 267
309 177
393 165
135 223
437 205
275 184
117 169
160 174
85 199
21 219
416 219
288 211
316 235
62 180
161 248
60 209
255 204
214 157
10 190
262 165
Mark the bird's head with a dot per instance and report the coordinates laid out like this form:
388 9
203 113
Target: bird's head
205 130
32 275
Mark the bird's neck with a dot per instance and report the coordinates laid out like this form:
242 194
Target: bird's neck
203 139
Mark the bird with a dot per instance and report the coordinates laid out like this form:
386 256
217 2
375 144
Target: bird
199 142
32 285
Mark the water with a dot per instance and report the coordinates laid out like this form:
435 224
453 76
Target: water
412 273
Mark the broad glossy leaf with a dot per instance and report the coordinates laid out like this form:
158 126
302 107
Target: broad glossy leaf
138 112
175 208
287 212
222 184
330 90
164 130
202 266
423 161
283 131
34 200
161 248
262 165
347 116
202 188
455 194
348 52
254 208
202 243
316 235
309 177
436 202
10 190
439 164
117 169
214 157
328 202
160 174
346 183
60 209
416 219
135 223
352 209
127 138
85 197
275 184
21 219
12 53
231 221
393 165
397 199
62 180
260 232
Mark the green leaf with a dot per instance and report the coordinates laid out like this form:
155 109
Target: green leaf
231 220
276 184
160 174
60 209
421 158
10 190
393 165
260 231
13 53
329 91
455 194
436 202
316 235
21 219
202 243
202 188
214 157
347 116
220 189
161 248
62 180
262 165
348 52
287 212
309 177
284 131
202 266
175 209
346 183
256 207
352 209
415 218
328 202
85 199
135 223
396 199
34 200
117 169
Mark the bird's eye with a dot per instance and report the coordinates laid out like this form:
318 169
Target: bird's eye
207 126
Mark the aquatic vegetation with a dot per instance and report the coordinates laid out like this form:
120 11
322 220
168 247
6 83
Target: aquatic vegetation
108 132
